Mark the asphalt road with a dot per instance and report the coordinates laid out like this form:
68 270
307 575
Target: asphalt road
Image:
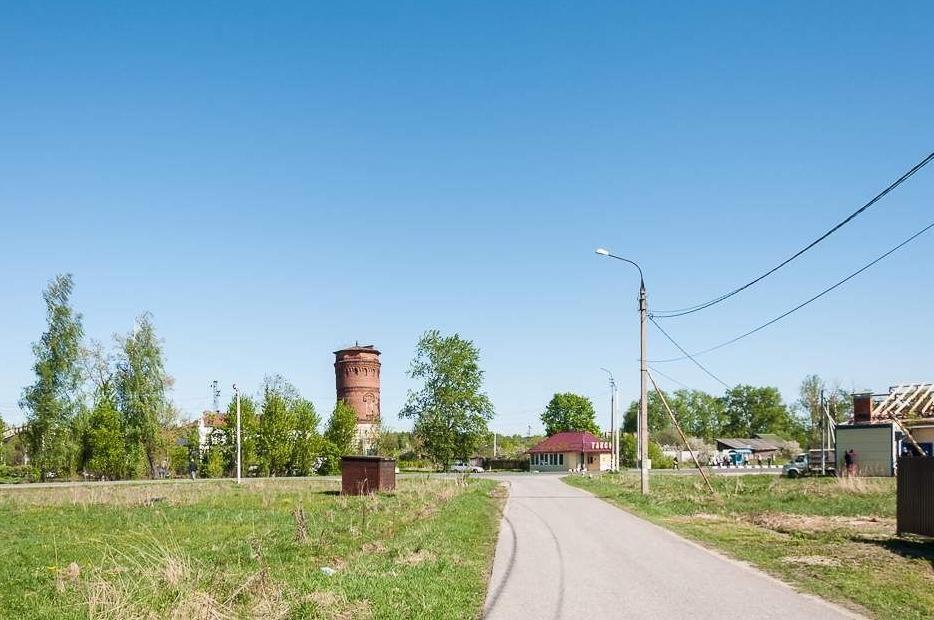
563 553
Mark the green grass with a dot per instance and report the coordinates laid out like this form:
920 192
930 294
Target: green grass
215 550
834 538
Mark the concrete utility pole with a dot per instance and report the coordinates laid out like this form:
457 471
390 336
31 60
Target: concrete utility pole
644 463
614 427
643 430
237 392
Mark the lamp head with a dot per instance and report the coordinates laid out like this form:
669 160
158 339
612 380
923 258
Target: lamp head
602 251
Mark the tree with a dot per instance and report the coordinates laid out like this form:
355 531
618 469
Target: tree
658 416
106 442
700 414
141 383
450 410
53 400
276 424
750 410
307 443
837 400
249 430
569 412
340 435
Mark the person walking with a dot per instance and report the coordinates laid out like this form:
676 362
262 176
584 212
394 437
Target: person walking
192 468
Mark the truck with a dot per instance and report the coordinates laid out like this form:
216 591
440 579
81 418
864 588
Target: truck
809 464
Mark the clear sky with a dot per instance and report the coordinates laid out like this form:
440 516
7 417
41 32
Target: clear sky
274 181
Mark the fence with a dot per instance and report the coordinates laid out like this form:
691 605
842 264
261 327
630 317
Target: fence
916 495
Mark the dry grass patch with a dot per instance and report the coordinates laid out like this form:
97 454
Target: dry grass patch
810 524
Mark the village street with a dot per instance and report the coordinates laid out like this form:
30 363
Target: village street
563 553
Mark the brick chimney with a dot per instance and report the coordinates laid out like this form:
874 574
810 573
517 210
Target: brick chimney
862 408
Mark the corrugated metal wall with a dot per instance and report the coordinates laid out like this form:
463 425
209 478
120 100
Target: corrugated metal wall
916 495
874 445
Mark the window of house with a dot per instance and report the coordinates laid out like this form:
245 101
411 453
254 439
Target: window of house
560 459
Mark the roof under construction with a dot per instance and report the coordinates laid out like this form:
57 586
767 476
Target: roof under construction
906 401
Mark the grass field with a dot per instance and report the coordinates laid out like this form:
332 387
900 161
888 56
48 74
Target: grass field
835 538
215 550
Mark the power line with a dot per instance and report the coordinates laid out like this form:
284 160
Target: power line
688 355
667 314
799 306
670 378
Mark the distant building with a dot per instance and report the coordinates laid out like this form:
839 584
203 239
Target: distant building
356 371
571 450
757 447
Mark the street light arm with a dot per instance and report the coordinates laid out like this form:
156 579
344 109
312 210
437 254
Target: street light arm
608 254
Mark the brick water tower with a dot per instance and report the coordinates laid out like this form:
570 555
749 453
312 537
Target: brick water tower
356 370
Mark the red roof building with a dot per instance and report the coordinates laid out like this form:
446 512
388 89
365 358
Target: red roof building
571 451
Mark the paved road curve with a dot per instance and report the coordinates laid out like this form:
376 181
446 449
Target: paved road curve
563 553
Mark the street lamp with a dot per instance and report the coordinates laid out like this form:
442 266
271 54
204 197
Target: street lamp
237 391
643 426
614 427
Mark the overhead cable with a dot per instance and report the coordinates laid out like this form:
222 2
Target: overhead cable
796 308
688 355
667 314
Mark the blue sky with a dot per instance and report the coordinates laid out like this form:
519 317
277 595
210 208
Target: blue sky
274 181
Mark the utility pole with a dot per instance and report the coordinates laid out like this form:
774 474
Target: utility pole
494 444
614 427
644 394
643 428
237 392
823 436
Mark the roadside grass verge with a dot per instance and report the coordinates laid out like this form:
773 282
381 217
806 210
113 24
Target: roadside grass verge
831 537
214 550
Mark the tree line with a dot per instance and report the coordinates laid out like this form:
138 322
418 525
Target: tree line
105 413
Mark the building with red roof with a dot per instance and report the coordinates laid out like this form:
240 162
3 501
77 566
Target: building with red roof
571 451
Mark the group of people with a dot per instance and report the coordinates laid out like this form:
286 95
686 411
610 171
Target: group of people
728 460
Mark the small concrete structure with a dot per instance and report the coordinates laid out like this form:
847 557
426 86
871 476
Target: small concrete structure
363 475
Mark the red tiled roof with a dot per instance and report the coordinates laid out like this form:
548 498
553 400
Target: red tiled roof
572 441
214 420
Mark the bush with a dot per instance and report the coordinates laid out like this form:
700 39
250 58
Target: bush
18 473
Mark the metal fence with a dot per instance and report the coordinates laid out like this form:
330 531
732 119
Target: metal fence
916 495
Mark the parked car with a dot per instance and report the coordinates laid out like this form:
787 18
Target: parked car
466 468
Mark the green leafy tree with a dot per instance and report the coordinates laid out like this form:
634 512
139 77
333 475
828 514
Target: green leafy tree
308 444
53 400
342 428
658 416
700 414
450 410
750 410
569 412
106 440
274 441
836 399
341 436
249 431
141 383
628 452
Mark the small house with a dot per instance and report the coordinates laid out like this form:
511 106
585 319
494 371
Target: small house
570 451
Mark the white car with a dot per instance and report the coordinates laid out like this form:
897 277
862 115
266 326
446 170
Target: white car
464 468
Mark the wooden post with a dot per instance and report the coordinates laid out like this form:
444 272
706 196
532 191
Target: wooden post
681 433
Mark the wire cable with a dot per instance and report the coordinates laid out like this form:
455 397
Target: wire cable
688 355
670 378
799 306
667 314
